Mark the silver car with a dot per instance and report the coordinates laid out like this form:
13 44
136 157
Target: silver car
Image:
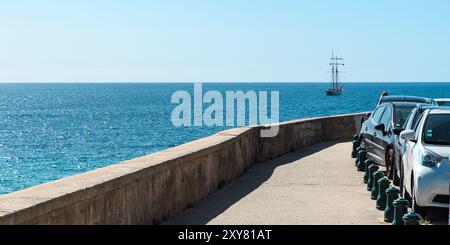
443 102
426 166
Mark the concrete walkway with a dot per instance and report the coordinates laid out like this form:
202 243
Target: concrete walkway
316 185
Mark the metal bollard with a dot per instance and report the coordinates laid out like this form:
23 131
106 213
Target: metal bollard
356 143
412 219
400 209
372 169
355 148
392 194
375 189
367 165
362 160
384 184
357 155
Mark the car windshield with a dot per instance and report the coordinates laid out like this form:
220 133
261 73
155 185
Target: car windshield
401 114
437 130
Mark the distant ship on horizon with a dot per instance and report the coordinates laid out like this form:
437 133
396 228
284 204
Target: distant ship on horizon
336 88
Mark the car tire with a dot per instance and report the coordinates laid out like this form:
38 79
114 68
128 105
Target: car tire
362 143
390 164
396 180
416 208
402 179
407 196
404 191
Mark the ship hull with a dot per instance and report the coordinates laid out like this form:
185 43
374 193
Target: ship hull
334 92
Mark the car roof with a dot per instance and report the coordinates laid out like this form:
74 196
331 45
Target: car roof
395 98
427 106
442 99
440 110
402 104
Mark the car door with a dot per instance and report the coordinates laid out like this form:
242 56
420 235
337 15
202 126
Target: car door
369 130
381 137
400 144
409 153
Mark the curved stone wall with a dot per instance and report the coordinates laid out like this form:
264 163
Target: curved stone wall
149 189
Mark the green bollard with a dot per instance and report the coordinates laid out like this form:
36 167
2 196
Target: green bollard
356 144
362 160
375 189
367 165
372 169
392 194
400 209
357 155
355 149
384 184
412 219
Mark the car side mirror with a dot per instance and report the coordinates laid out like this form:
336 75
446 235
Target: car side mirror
397 130
408 135
368 114
380 127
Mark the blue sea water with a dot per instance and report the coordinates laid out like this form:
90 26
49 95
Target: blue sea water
50 131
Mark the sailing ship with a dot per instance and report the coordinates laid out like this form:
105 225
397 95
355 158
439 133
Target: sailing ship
336 87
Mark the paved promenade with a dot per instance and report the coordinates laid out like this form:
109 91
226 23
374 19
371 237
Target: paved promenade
316 185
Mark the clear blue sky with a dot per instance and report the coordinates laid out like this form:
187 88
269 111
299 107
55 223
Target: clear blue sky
222 40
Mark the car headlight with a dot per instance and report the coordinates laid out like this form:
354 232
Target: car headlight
430 159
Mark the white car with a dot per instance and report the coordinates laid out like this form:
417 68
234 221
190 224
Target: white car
443 102
426 167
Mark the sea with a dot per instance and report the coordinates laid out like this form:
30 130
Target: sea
50 131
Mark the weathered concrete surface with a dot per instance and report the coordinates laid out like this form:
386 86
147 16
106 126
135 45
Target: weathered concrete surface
316 185
149 189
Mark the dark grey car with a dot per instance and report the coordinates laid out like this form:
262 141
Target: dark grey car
380 132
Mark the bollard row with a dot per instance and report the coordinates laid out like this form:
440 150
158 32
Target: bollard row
387 198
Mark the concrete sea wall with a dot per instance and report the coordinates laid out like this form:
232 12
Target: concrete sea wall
149 189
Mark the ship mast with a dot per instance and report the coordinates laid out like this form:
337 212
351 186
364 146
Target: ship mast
335 69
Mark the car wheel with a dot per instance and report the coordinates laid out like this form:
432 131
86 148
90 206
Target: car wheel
362 144
407 196
402 180
396 180
416 208
390 164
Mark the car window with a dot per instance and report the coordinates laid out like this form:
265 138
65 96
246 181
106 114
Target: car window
408 123
377 114
401 114
386 118
419 124
417 120
437 130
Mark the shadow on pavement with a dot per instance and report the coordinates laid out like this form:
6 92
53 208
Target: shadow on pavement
215 204
438 216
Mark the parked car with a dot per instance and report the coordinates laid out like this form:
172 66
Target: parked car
400 144
426 175
401 98
380 132
443 102
386 98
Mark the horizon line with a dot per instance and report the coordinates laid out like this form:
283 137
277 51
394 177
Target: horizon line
191 82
